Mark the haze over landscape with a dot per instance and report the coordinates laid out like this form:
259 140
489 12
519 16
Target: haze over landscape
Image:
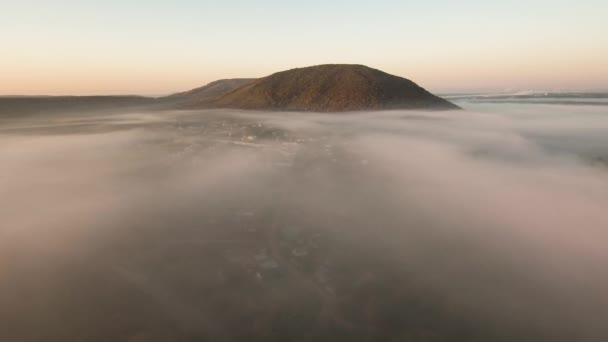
281 171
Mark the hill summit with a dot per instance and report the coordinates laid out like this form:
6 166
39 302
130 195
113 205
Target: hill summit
331 88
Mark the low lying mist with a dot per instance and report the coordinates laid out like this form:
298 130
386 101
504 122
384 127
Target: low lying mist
487 224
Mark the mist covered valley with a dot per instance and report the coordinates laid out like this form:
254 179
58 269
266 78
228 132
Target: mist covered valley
487 224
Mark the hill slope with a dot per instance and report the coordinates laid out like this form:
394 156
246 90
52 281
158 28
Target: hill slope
212 91
332 88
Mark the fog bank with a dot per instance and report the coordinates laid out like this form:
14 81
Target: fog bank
485 224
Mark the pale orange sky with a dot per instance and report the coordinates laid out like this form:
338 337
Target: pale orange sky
118 47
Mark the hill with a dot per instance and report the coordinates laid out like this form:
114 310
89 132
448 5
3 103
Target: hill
331 88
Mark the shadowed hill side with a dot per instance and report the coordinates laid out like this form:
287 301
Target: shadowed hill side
207 93
332 88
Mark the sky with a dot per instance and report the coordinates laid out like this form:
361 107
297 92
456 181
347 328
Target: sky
160 47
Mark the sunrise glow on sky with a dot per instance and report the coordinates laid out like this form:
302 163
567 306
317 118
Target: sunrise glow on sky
160 47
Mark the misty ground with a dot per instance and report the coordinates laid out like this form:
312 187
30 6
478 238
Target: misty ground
481 225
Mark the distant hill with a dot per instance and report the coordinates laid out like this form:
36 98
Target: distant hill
15 106
330 88
202 96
